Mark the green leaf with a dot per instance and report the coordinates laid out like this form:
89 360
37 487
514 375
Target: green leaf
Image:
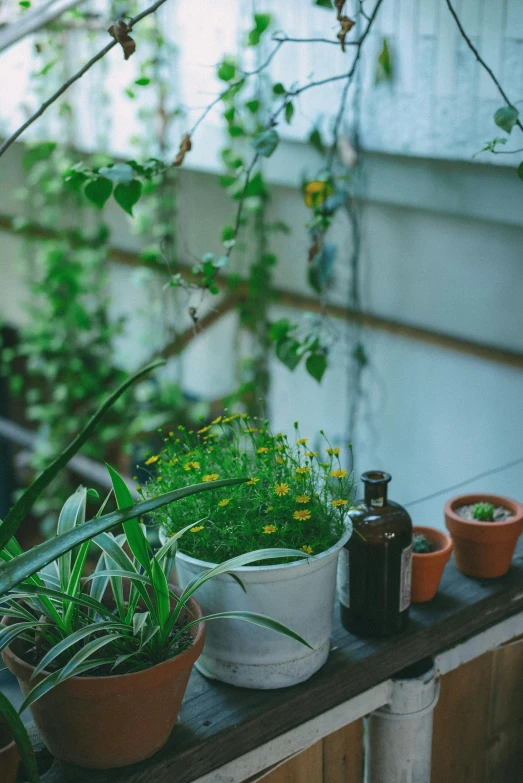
161 593
227 233
71 640
22 567
257 619
120 172
25 503
325 4
255 186
316 141
127 194
38 152
253 106
226 70
506 117
261 23
520 170
289 112
72 513
24 3
53 679
14 722
279 329
278 89
133 531
287 352
143 81
98 191
316 365
266 142
235 131
384 64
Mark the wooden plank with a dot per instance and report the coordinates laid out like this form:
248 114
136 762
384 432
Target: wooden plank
306 767
343 755
505 740
459 743
219 723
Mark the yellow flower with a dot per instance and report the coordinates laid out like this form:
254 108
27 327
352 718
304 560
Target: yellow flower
209 436
334 452
188 466
270 508
203 429
307 549
280 460
301 441
171 434
316 192
228 419
197 528
282 489
311 453
339 502
339 473
270 529
195 465
302 499
325 464
253 480
138 489
210 477
244 415
250 429
262 450
302 515
159 478
302 471
173 461
217 420
279 435
224 502
152 459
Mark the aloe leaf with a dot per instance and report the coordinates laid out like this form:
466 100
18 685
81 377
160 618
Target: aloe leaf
161 593
13 631
27 564
250 617
72 513
70 668
25 503
70 641
14 722
139 620
74 582
28 591
52 679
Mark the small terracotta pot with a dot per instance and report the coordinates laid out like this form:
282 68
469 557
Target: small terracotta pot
107 722
427 567
483 549
9 756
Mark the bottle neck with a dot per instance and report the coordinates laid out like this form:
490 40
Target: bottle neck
375 483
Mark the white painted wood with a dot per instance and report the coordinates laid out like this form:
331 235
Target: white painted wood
514 20
491 45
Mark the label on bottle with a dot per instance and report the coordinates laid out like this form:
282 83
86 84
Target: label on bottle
376 501
343 578
405 578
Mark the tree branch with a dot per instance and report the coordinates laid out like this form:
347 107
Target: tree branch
480 59
74 78
33 21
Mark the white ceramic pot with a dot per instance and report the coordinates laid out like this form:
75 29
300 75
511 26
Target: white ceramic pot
300 595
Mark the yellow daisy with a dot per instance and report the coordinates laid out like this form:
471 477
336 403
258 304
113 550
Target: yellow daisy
253 480
152 459
311 453
339 473
270 508
224 502
197 528
244 415
302 471
339 502
248 430
307 549
282 489
280 460
159 478
171 434
217 420
173 461
262 450
138 489
300 441
270 529
302 499
334 452
210 477
302 515
203 429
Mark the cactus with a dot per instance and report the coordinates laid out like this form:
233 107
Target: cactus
421 544
483 512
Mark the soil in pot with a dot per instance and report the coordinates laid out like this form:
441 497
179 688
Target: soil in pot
9 756
484 549
105 722
500 513
427 567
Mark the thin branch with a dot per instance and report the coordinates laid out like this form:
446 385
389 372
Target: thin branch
313 40
480 59
506 152
75 78
34 21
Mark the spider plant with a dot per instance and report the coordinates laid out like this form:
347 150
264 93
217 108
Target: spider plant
77 631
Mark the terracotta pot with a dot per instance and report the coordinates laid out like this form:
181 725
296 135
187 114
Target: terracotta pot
9 756
107 722
427 567
483 549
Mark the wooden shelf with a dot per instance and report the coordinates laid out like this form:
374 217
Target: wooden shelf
219 723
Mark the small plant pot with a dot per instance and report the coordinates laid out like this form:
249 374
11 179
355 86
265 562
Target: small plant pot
427 567
300 595
108 722
9 756
483 549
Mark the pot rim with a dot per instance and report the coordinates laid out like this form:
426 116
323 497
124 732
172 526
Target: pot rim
481 497
268 568
198 639
424 529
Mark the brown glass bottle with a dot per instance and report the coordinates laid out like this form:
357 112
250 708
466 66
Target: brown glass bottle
374 568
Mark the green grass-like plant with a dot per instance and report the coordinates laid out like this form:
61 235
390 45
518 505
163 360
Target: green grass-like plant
483 512
295 497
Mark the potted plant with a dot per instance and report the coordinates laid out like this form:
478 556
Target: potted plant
296 497
485 530
9 754
431 550
104 662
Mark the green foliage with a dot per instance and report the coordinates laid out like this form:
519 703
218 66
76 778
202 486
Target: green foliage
324 4
293 344
483 512
127 194
384 71
14 723
265 143
295 497
520 170
226 70
98 191
289 112
421 544
261 23
506 117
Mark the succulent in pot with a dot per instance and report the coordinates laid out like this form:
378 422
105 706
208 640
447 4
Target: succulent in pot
83 649
485 529
431 550
297 496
